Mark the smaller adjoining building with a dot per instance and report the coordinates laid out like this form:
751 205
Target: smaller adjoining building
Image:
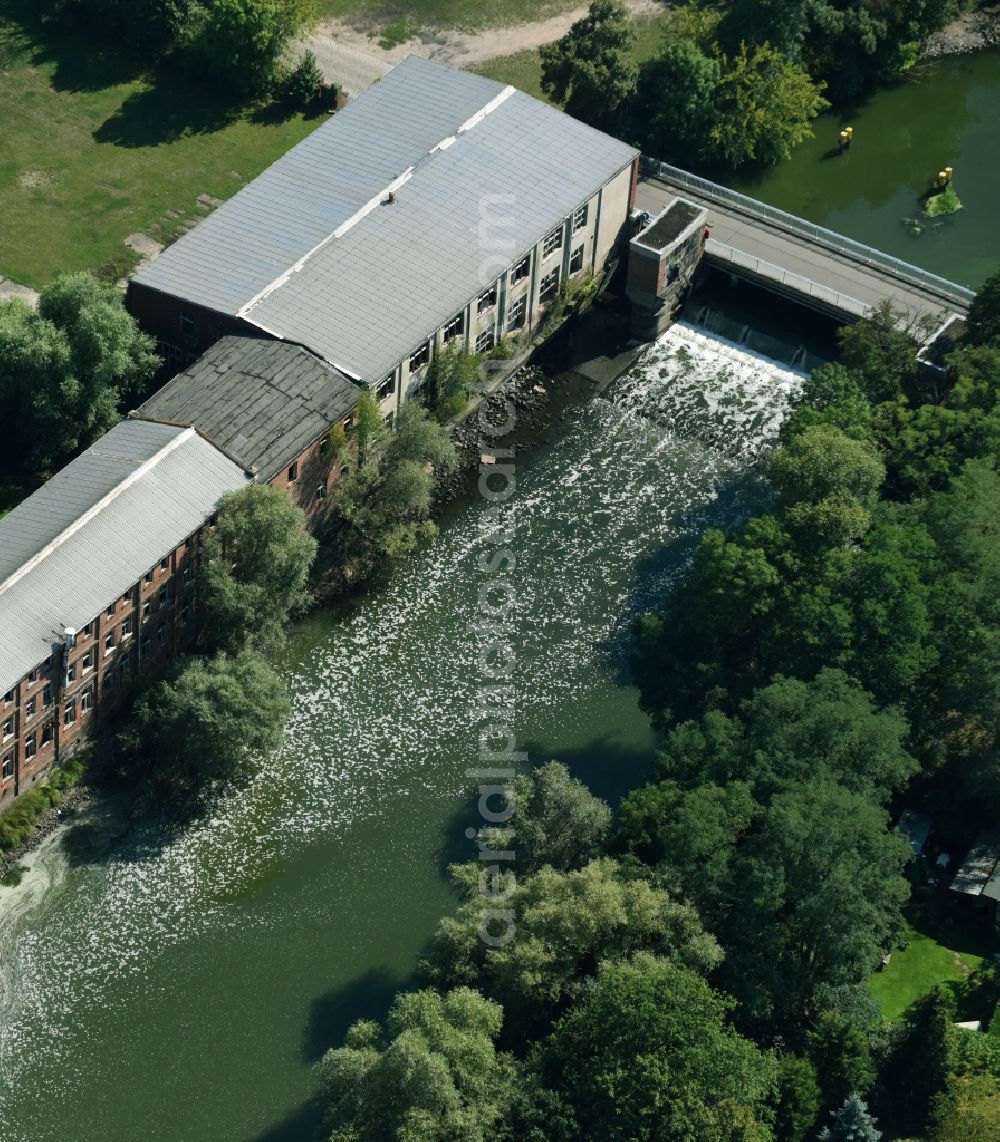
268 405
979 877
97 584
662 259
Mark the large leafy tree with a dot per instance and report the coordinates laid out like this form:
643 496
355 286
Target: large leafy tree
816 896
435 1076
239 44
255 567
674 107
385 500
647 1054
204 726
590 71
65 369
557 821
765 105
565 924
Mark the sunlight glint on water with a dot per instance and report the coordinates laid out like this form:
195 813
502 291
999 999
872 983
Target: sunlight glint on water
381 718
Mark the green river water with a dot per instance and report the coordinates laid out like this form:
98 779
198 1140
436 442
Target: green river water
945 113
181 991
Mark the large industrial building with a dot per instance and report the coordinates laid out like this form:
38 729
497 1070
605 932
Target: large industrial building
439 206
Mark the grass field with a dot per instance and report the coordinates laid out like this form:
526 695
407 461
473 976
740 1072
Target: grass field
91 152
945 945
524 69
465 15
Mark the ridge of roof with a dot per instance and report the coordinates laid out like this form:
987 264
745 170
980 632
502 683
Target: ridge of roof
373 203
95 509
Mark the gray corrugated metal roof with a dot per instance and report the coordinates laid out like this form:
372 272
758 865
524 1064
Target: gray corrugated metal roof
303 197
366 298
262 401
86 536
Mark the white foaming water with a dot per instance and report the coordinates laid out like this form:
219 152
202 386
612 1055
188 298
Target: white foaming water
381 701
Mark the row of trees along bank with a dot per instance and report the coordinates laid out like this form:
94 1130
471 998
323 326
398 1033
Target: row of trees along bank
698 969
734 85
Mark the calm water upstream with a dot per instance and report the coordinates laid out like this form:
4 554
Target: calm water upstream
946 113
182 993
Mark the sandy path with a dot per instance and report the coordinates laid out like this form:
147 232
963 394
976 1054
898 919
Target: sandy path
350 57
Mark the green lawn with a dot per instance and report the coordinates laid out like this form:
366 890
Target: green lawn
466 15
945 944
524 69
91 152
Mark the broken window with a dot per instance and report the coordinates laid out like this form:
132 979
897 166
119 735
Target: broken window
549 286
516 313
553 241
487 300
521 270
420 357
454 328
576 260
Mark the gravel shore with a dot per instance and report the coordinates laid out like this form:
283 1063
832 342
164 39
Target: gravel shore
971 32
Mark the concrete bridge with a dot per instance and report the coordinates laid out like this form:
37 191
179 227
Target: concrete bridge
790 256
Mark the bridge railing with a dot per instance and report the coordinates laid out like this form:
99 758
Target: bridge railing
841 301
788 221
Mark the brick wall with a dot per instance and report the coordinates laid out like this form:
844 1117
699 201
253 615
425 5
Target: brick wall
51 709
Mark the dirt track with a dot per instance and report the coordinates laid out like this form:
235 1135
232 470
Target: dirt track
352 58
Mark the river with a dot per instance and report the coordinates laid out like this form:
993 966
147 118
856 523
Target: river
182 992
946 112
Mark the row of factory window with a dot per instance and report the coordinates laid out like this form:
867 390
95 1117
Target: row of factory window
516 314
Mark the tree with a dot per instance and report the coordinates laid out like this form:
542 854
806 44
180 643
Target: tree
969 1111
557 821
674 107
255 568
781 23
816 896
984 312
386 500
841 1058
923 1058
882 352
590 71
65 369
765 105
450 375
566 923
438 1077
821 464
852 1123
798 1099
693 833
239 44
205 725
107 347
647 1054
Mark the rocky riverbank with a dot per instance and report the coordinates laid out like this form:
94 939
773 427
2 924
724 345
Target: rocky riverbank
49 821
971 32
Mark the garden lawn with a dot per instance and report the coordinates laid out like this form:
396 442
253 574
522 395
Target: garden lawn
945 945
524 69
464 15
91 152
